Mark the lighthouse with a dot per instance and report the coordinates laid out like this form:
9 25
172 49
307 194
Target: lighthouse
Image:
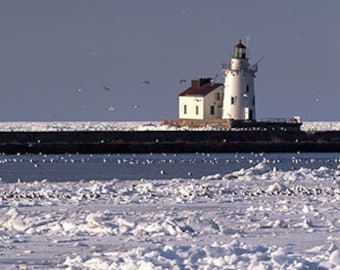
239 92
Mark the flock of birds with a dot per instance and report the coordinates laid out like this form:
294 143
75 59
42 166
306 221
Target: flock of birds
112 108
200 190
108 88
36 195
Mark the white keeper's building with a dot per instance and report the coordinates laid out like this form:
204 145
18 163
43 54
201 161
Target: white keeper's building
202 100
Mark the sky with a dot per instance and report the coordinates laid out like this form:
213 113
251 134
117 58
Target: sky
84 60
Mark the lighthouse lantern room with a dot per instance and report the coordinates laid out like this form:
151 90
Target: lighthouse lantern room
239 92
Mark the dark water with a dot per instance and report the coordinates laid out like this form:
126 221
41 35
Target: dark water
148 166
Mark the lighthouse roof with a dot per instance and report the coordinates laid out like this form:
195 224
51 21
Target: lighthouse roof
240 45
200 88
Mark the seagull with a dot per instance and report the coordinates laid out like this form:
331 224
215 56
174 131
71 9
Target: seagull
135 106
182 81
146 82
214 79
318 100
112 108
106 88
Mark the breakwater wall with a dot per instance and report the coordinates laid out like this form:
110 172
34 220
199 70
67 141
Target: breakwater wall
167 141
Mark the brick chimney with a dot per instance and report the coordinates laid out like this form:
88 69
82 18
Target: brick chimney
197 83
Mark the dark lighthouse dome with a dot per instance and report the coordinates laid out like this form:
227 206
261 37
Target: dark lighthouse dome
240 51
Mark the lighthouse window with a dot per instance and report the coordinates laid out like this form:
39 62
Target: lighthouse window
232 100
185 109
247 88
212 109
197 109
253 100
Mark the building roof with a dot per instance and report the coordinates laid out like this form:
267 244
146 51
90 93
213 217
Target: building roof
200 91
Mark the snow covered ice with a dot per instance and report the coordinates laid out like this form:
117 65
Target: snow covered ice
259 217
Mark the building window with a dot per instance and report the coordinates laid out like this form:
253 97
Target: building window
253 100
197 109
212 109
247 88
218 96
185 109
232 100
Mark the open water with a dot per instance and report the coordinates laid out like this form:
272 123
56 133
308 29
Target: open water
149 166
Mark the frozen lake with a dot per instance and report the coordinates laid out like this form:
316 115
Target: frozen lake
184 211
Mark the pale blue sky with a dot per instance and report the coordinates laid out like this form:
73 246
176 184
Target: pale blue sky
51 49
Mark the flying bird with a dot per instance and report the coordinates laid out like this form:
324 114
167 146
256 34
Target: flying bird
106 88
182 81
112 108
135 106
317 100
146 82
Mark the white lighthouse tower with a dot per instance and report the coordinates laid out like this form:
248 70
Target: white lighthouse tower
239 92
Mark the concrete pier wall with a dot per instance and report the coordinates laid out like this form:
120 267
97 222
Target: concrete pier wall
168 141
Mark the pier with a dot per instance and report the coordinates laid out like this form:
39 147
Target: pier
53 142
